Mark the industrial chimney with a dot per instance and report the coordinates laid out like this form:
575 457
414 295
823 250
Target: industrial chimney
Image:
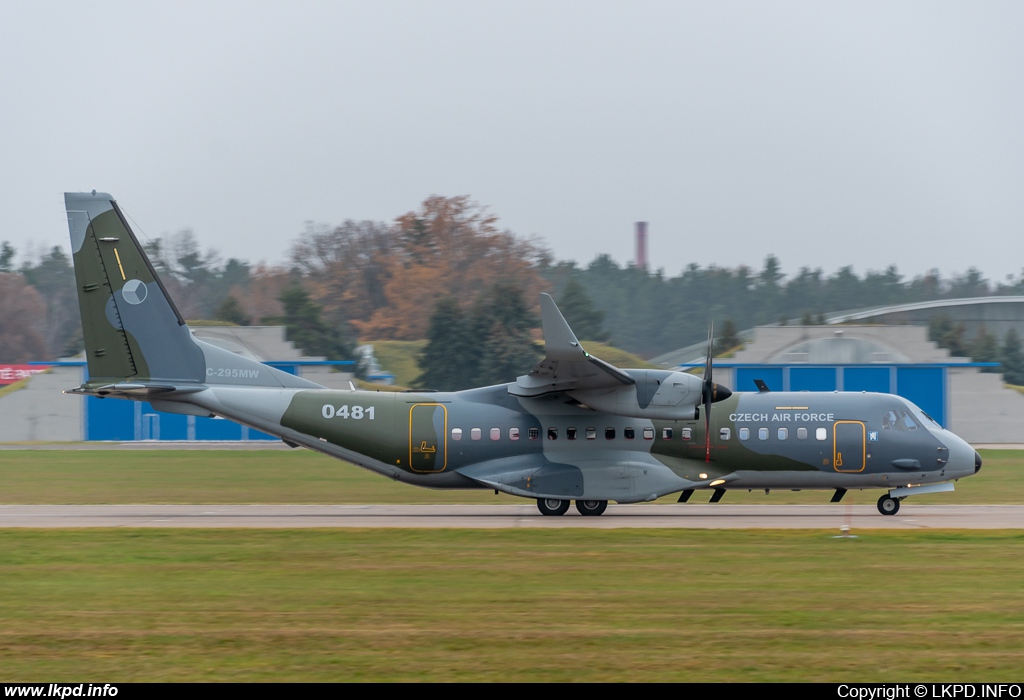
641 245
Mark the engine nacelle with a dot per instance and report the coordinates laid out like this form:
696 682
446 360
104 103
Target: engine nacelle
657 394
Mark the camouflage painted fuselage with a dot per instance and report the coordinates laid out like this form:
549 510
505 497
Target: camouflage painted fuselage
547 448
573 428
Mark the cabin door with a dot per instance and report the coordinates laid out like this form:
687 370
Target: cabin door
848 444
428 429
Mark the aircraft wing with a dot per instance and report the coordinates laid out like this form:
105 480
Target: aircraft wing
566 365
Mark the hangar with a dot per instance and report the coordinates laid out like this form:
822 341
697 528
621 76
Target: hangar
40 412
874 349
891 359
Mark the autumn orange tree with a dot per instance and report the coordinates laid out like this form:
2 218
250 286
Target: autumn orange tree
386 280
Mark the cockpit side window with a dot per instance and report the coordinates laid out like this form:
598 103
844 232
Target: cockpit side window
900 421
889 420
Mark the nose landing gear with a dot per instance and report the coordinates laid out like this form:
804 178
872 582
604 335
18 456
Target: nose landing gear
887 505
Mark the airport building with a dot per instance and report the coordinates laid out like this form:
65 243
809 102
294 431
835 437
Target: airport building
884 349
40 412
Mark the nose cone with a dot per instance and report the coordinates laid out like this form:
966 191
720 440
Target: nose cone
964 460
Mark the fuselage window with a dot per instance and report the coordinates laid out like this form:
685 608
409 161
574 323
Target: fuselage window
474 434
456 433
609 433
495 433
762 433
783 433
591 433
724 433
801 433
570 433
552 433
513 433
534 433
744 433
821 434
666 433
648 433
628 433
687 433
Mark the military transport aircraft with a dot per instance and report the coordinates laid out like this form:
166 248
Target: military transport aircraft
574 429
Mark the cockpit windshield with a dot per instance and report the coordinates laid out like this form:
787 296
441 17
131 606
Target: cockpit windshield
927 420
923 419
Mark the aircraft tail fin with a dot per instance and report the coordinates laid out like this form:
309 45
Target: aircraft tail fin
131 328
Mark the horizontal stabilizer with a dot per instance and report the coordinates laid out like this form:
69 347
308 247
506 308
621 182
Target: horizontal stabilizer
134 390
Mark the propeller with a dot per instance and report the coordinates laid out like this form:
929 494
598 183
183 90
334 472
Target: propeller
711 393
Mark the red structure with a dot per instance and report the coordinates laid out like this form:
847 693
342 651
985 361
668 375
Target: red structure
641 244
13 373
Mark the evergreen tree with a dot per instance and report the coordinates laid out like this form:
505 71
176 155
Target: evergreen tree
727 339
6 257
54 278
946 334
305 328
769 289
491 344
581 314
508 348
232 312
450 358
507 354
985 348
1012 358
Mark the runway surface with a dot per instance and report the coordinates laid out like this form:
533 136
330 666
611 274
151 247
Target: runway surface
707 516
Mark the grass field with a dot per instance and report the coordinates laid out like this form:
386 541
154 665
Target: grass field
568 605
300 476
530 605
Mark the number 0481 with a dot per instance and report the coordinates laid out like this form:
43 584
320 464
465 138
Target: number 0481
346 411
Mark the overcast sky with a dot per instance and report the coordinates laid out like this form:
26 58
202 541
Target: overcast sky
828 133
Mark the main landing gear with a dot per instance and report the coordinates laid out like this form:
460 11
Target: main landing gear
887 505
556 506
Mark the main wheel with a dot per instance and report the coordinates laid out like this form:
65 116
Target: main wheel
552 506
887 505
591 507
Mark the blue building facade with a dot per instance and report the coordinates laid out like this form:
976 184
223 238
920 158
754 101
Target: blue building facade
926 385
124 421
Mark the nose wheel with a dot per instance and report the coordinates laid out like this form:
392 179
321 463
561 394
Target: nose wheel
887 505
